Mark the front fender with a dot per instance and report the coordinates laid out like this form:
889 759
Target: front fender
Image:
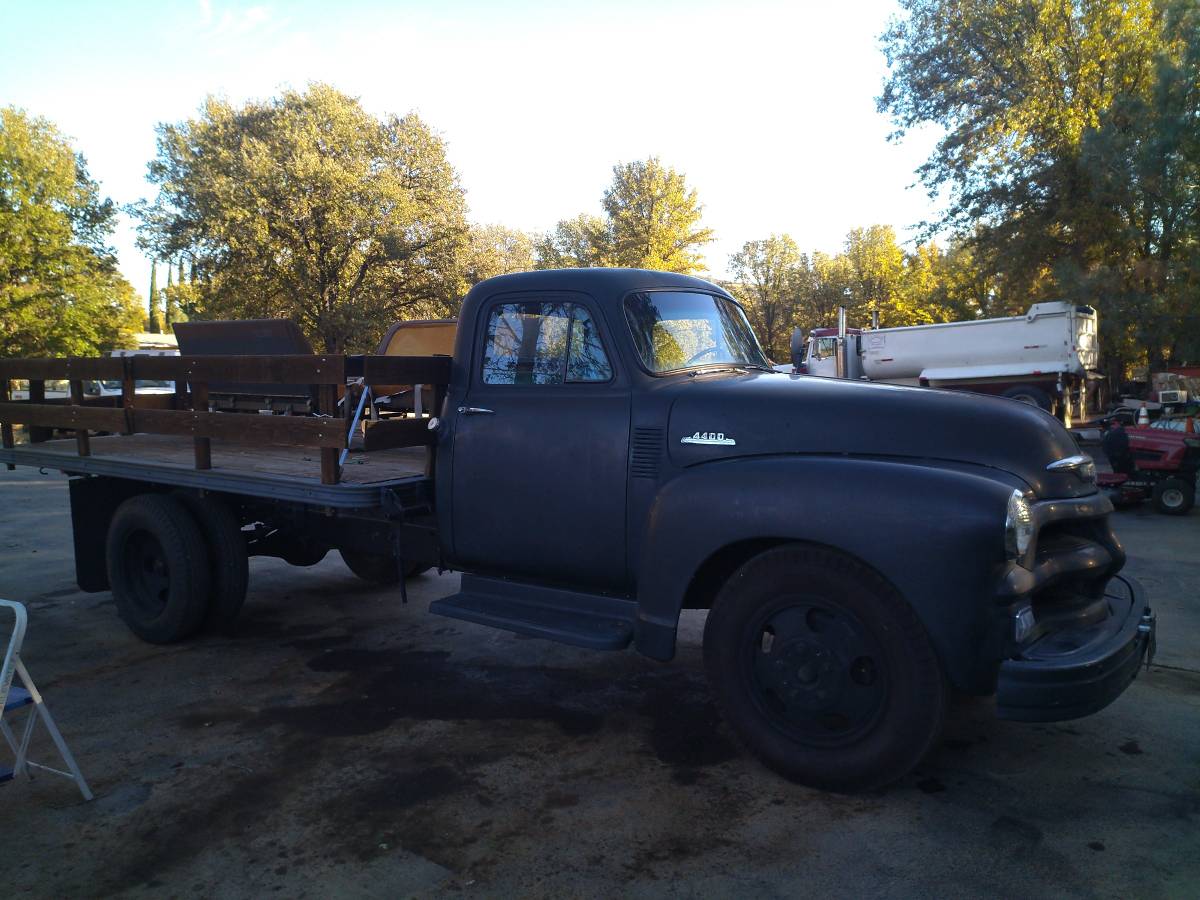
936 534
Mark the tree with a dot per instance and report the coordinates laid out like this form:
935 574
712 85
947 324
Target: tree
876 264
577 243
1069 150
495 250
651 221
831 277
1143 159
169 294
770 276
181 299
60 292
154 322
304 206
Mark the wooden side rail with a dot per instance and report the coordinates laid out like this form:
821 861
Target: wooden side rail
166 414
199 371
67 368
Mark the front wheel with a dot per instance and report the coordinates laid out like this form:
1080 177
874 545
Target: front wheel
822 670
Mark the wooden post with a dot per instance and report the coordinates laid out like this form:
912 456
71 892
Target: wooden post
82 445
203 445
327 401
37 394
6 429
128 393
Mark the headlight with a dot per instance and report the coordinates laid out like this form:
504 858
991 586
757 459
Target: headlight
1018 526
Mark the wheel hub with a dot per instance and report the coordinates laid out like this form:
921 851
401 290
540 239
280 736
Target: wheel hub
809 676
818 672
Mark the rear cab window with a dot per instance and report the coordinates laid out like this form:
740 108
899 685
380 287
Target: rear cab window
543 343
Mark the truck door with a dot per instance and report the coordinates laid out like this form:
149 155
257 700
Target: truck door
541 445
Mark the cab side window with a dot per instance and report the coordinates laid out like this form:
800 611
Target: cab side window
825 348
543 343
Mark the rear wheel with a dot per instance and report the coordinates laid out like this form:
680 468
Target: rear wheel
1031 394
378 569
1174 496
229 561
823 670
158 568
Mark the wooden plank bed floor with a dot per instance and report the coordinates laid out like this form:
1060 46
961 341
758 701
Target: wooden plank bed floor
230 457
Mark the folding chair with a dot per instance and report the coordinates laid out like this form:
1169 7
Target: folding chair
14 697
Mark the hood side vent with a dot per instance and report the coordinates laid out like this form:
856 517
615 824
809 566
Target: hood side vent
646 452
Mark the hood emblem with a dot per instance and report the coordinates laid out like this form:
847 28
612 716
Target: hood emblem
709 438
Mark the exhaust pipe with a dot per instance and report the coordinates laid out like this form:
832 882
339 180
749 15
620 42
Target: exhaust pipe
842 367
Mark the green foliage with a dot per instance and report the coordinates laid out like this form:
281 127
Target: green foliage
577 243
1070 155
181 299
770 277
154 321
60 292
652 220
782 288
304 206
876 265
494 250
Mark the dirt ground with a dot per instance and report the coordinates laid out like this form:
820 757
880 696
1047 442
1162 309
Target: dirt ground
345 745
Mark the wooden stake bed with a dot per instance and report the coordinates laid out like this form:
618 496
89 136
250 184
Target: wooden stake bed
182 440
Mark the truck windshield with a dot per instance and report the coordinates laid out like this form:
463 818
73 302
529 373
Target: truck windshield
675 330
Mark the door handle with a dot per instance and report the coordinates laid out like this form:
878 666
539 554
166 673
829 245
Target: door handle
476 411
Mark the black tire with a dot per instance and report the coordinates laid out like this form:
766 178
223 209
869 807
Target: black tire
1031 394
1174 496
229 573
378 569
158 568
822 670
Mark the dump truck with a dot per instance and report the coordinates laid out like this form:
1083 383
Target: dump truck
1047 357
604 449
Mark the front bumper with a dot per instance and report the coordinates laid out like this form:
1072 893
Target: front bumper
1076 671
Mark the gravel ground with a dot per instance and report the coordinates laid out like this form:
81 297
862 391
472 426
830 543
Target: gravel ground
345 745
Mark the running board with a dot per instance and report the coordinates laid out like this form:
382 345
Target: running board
581 620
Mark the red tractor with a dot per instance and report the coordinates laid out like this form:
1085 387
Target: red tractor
1159 460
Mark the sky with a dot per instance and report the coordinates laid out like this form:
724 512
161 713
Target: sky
767 108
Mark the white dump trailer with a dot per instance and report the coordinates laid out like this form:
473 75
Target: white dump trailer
1045 357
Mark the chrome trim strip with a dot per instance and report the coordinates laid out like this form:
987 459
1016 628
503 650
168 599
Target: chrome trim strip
1069 462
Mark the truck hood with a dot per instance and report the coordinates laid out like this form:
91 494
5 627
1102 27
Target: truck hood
728 415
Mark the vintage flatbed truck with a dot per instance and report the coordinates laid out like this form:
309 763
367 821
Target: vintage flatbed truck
608 448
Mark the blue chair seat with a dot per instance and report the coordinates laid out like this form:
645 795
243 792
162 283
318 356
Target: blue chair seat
17 697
